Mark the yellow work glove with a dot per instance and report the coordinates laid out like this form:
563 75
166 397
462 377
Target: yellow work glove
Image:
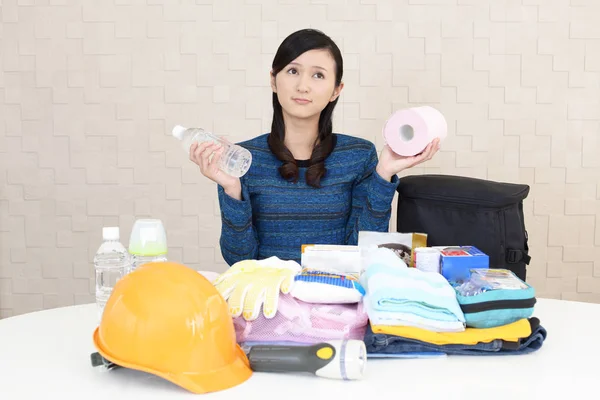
250 284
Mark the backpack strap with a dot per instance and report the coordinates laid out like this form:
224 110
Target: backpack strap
515 256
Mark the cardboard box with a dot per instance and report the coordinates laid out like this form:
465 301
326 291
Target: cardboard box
456 262
402 244
327 257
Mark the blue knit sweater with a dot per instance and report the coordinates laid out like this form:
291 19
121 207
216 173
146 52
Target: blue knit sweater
276 217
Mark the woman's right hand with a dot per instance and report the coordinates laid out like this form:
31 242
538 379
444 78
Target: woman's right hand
207 155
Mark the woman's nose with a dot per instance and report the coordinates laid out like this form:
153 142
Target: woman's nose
303 85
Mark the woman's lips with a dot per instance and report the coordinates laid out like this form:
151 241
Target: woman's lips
301 101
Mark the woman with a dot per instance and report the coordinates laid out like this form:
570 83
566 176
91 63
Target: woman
306 184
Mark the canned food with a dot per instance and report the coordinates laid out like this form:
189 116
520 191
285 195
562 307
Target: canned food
427 259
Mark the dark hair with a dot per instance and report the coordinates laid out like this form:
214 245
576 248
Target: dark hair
293 46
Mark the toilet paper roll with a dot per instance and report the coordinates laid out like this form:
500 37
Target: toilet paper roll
409 131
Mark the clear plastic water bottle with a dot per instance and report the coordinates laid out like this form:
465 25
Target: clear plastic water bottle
111 262
235 160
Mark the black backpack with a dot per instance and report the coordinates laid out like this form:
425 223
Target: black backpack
462 211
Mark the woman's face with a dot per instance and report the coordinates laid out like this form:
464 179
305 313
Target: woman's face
306 85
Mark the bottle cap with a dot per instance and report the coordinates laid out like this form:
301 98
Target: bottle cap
178 131
110 233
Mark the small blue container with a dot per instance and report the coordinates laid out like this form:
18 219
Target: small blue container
501 298
457 262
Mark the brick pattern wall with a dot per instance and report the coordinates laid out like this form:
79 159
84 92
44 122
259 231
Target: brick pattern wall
90 89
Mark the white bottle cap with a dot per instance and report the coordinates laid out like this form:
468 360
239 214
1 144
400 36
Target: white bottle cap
178 131
110 233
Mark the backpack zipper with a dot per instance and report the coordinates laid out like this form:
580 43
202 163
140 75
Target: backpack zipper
459 200
498 305
502 225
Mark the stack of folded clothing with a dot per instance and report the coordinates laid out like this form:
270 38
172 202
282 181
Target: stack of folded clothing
494 305
400 296
521 337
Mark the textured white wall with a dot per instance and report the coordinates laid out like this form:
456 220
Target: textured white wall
90 89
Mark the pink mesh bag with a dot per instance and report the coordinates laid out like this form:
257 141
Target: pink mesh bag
297 321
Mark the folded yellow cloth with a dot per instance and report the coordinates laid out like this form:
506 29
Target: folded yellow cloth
470 336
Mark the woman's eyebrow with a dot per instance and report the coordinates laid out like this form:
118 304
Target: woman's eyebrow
314 66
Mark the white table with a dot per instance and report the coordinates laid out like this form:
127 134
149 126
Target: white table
46 355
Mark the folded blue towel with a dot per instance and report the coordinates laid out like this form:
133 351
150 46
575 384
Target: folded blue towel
409 291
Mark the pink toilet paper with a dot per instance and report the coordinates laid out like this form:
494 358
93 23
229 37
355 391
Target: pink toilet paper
409 131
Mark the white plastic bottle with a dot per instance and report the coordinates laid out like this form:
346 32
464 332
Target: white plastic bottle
111 262
147 243
235 160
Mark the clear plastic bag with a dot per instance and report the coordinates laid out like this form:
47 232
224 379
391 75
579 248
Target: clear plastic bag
483 280
298 321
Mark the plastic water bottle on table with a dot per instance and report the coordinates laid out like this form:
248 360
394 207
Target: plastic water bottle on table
111 263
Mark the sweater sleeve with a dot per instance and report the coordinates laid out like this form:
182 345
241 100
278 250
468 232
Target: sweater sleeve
371 201
239 240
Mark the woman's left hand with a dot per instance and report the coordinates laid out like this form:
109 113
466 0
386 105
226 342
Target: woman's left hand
391 163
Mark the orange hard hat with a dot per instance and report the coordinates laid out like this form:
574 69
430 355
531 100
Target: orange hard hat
168 320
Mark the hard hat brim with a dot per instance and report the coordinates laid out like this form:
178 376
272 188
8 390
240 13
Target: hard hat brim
227 377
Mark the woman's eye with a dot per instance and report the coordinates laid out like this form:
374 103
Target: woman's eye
319 75
291 70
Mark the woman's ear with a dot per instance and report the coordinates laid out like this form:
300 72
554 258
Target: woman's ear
272 78
337 91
